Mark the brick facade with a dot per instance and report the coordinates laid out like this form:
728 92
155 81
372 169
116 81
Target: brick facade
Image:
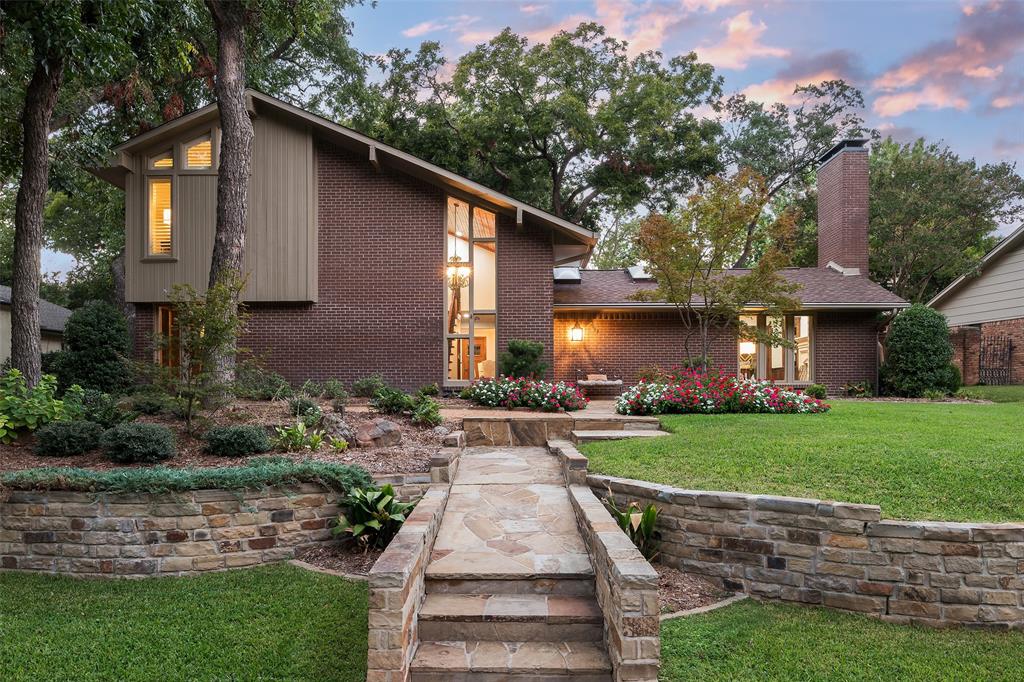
843 210
620 344
967 342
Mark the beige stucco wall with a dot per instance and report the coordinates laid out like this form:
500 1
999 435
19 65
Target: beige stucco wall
281 241
49 341
997 294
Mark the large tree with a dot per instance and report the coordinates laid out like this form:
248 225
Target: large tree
574 125
782 143
933 214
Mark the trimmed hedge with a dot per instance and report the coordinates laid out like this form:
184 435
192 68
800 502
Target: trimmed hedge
67 438
237 441
139 443
918 354
255 474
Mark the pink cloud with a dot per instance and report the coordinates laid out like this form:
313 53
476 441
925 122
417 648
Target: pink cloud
1007 101
780 90
532 8
423 28
742 43
928 97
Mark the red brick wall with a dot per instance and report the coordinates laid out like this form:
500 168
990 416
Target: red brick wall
967 347
619 344
381 283
843 210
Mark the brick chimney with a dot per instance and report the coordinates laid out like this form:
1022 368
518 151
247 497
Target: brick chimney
843 207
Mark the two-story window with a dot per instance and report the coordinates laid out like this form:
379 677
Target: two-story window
471 315
777 363
196 156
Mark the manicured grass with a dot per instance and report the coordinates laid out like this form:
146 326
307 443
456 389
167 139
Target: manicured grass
751 641
940 461
278 622
999 394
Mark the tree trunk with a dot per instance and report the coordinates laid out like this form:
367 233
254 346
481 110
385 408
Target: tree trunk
229 18
117 273
40 100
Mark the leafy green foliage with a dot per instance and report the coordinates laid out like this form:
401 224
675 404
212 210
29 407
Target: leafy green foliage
333 389
375 516
237 441
139 443
639 525
148 402
392 401
369 386
338 444
300 405
297 437
255 383
67 438
312 388
338 405
818 391
857 389
918 354
97 406
429 389
23 408
426 411
254 474
522 359
96 349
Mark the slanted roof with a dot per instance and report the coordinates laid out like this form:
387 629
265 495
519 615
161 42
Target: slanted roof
820 288
52 317
1010 242
374 151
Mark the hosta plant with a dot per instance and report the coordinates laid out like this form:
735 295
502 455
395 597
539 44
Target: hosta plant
374 518
639 524
24 408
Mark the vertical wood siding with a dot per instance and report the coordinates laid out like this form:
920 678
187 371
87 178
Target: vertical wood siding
997 294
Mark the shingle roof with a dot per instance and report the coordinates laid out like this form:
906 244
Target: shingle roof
819 288
51 316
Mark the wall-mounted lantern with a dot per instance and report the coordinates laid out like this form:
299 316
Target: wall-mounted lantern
576 333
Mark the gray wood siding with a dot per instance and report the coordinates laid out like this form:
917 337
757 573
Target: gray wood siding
281 238
998 294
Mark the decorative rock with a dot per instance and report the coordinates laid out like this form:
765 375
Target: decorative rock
441 431
379 433
334 424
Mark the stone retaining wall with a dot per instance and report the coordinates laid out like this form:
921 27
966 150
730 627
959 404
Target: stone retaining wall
397 589
839 555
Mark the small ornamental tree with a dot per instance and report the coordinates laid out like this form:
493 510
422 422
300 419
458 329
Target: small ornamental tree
689 252
522 359
918 354
96 350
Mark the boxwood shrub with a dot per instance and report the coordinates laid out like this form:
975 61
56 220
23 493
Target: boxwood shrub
918 354
237 441
67 438
139 443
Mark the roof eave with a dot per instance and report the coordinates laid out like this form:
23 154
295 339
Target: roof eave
1009 242
630 305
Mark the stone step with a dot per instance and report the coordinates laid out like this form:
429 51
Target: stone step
612 423
581 436
510 617
560 585
539 661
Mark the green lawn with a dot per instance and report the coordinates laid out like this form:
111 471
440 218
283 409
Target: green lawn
752 641
940 461
999 394
279 622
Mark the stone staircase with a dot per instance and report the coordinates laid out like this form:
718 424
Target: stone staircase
510 591
610 427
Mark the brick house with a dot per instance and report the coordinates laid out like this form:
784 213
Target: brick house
362 258
985 312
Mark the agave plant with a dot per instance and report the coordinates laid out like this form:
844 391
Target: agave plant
375 516
638 524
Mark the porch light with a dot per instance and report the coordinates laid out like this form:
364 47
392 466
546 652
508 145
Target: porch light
747 347
576 333
458 272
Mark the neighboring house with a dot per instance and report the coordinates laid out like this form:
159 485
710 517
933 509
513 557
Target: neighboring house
362 258
51 322
985 312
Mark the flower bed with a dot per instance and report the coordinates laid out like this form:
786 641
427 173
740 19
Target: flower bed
512 392
694 392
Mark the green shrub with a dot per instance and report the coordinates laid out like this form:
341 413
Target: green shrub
300 405
312 416
338 405
139 443
334 390
24 408
426 412
311 388
391 401
297 437
368 387
816 391
67 438
375 516
935 394
254 474
254 383
102 408
429 389
522 359
918 353
951 379
95 350
969 394
236 441
148 402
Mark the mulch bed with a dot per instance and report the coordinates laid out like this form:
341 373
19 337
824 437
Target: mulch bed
412 455
678 591
343 557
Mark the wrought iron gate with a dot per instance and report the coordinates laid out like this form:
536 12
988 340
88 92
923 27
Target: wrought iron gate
995 361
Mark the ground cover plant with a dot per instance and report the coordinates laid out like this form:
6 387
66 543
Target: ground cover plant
708 393
940 461
754 641
267 623
533 394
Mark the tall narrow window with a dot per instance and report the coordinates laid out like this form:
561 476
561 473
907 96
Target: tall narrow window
160 219
470 292
802 348
748 350
756 360
167 331
199 153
